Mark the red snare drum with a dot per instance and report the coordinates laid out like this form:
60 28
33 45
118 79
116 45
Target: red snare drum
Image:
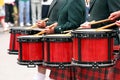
14 33
57 50
30 50
93 48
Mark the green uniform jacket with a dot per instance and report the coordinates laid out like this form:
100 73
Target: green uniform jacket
54 9
71 15
68 13
101 9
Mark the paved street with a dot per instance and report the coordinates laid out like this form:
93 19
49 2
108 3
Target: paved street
9 69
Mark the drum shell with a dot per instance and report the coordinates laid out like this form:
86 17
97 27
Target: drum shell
13 44
57 50
93 47
96 53
16 32
30 49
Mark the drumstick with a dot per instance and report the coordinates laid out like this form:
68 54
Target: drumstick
98 22
42 32
34 26
67 31
107 26
68 34
80 27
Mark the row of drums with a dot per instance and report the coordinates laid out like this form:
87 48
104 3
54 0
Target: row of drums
84 48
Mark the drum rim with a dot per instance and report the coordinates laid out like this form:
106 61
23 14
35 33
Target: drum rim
23 30
57 36
30 39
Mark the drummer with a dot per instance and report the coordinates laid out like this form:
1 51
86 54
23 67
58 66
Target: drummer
99 10
71 15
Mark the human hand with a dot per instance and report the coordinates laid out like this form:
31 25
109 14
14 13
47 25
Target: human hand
50 29
41 24
117 23
85 25
113 16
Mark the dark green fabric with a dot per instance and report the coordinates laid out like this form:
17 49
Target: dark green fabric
54 9
71 15
101 9
68 13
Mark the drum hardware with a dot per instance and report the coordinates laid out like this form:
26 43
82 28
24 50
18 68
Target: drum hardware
93 64
31 66
58 65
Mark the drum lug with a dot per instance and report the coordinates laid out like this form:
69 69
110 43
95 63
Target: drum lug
95 65
61 66
31 65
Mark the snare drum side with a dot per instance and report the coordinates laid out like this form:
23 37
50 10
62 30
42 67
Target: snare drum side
13 44
93 49
16 32
30 50
57 51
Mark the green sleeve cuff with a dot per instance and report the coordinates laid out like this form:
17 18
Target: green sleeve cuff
58 29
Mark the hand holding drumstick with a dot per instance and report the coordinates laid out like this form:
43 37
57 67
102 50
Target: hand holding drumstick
48 29
88 24
40 22
115 15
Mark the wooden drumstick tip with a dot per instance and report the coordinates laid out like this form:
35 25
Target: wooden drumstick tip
34 26
46 19
68 34
67 31
40 33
